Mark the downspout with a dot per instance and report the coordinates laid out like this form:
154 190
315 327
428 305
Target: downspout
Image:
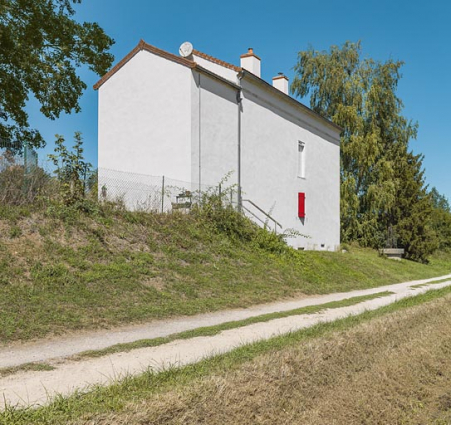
238 100
200 138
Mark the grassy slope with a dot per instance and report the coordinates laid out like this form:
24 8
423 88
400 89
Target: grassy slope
63 271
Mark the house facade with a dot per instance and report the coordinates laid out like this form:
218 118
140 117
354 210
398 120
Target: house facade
197 119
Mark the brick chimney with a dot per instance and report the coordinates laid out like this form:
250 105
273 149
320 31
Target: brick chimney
251 62
281 82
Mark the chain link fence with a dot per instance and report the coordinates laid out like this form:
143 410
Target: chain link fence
141 192
14 155
23 180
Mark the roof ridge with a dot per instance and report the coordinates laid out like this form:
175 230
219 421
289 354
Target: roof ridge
216 60
142 45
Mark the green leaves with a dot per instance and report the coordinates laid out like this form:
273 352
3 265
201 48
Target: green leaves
382 185
41 47
71 169
441 218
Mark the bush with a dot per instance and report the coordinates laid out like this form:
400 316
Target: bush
72 170
18 188
217 212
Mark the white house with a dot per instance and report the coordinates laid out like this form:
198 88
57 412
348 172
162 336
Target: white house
196 118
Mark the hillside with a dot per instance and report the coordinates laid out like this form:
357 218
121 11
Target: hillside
62 270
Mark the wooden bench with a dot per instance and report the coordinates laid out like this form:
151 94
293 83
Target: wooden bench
392 253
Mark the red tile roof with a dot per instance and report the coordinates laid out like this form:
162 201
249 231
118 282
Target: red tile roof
142 45
217 61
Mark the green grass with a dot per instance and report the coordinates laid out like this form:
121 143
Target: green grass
434 282
214 330
36 367
115 398
66 271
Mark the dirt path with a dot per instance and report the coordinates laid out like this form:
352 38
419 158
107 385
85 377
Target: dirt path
32 388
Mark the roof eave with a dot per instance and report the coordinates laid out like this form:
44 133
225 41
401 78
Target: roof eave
217 77
216 61
241 73
244 73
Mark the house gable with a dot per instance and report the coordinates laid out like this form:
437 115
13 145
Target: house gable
145 117
142 45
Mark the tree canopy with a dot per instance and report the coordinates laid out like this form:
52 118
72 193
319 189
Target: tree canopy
441 218
382 185
41 47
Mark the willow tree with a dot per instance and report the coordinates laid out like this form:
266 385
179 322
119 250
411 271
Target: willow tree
41 47
359 94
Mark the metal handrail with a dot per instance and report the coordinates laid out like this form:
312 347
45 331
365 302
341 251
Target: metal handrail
263 212
254 215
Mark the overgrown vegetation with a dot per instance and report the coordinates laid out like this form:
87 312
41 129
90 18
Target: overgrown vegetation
72 172
70 268
441 219
21 180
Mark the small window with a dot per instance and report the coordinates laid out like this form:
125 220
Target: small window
301 159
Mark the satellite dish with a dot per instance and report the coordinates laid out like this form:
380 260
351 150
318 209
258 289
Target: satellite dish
186 49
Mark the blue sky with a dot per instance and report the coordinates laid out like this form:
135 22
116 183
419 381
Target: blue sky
417 32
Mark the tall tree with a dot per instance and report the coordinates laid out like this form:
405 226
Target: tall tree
411 216
439 201
441 218
360 96
41 46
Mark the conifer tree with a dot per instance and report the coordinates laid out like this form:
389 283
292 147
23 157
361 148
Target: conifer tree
441 218
411 215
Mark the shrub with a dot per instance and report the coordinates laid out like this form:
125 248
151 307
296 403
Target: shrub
72 170
216 211
18 187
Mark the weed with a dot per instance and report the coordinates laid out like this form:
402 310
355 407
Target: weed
15 232
37 367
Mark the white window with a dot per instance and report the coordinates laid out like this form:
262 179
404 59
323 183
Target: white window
301 159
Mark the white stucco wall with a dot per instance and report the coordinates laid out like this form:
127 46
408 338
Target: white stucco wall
271 130
157 117
216 103
145 118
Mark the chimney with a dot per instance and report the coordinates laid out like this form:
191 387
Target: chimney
281 82
251 62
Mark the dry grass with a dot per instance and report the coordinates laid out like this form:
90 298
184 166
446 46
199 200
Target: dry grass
392 370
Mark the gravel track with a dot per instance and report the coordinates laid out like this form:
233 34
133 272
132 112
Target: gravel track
37 388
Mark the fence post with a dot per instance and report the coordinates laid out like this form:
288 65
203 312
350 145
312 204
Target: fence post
25 169
162 195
